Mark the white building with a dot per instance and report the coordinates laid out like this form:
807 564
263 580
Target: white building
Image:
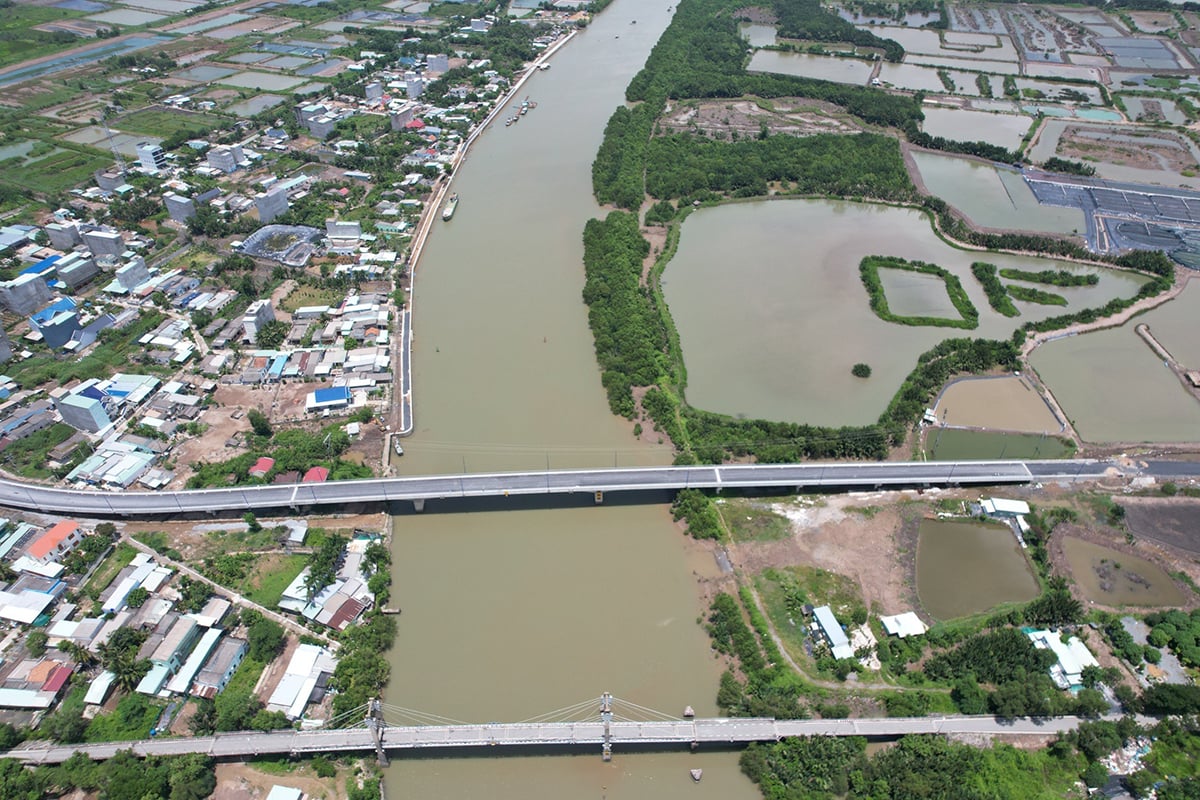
258 313
999 507
839 645
271 204
1073 657
310 666
904 625
152 157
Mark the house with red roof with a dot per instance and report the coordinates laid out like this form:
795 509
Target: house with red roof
316 475
262 467
56 542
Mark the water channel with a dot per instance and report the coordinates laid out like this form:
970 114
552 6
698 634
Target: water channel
510 614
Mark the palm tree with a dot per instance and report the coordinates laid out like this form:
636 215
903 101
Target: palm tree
128 670
77 653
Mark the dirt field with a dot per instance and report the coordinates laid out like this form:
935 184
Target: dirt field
281 402
248 782
191 539
1162 152
857 535
1173 522
790 115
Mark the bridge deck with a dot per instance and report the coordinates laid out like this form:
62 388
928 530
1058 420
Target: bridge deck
722 731
800 477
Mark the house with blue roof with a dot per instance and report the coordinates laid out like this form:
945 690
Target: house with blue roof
330 398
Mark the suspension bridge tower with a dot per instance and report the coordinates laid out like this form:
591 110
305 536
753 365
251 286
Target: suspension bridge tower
606 716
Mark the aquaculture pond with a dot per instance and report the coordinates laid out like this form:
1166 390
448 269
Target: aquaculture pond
965 568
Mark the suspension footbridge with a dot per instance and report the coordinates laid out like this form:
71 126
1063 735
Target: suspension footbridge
605 724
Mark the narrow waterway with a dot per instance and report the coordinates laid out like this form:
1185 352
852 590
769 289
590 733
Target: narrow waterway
511 614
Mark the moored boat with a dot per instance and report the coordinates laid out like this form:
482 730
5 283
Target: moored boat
448 211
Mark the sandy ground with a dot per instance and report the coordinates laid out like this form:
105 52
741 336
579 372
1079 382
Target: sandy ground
791 115
245 782
281 402
274 672
831 534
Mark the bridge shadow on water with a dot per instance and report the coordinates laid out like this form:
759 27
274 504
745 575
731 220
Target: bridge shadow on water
478 505
541 751
532 502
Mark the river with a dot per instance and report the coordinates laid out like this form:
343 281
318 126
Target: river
511 614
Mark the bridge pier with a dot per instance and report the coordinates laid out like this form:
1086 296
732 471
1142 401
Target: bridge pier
376 725
419 504
606 717
599 498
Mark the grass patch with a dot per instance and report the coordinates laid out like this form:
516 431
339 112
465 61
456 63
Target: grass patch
246 676
193 260
303 296
956 445
133 718
118 560
27 457
57 172
749 521
233 541
1031 295
160 543
113 353
786 590
162 123
270 577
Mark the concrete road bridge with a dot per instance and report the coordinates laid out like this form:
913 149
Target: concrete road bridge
593 482
603 732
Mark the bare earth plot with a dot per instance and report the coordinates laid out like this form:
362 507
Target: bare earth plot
1173 521
788 115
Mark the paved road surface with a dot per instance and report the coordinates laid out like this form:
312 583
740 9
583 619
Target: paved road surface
800 476
720 731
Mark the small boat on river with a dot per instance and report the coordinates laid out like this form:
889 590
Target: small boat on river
696 774
448 211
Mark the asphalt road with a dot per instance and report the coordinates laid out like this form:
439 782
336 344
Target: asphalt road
797 477
860 475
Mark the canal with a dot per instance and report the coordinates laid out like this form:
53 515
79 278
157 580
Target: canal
511 614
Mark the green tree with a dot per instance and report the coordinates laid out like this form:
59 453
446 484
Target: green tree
270 335
861 370
259 423
969 696
252 523
265 638
235 709
193 777
67 727
1095 775
138 597
35 643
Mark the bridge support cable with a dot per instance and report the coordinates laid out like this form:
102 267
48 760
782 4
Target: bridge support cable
354 718
628 711
406 716
579 712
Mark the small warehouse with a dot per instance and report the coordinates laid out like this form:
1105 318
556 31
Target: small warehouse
331 398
